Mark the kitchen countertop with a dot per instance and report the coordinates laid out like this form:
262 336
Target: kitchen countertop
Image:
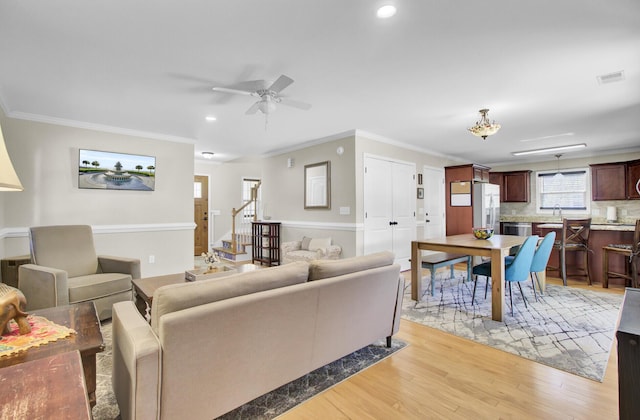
607 226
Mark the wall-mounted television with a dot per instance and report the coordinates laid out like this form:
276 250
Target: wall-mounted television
116 171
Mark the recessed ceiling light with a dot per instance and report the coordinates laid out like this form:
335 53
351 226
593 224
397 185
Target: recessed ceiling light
207 155
549 149
210 118
386 11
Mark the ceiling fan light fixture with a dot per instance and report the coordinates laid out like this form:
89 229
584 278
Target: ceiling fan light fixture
386 11
484 127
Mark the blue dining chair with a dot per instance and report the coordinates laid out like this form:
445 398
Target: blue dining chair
516 270
540 259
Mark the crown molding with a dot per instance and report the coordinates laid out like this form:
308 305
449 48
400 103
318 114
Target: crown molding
96 127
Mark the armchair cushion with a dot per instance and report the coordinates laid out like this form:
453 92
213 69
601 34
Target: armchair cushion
93 286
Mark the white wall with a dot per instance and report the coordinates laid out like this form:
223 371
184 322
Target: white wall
126 223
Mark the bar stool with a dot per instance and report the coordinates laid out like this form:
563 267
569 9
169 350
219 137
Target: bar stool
574 237
630 252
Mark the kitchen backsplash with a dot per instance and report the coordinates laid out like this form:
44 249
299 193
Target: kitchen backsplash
627 211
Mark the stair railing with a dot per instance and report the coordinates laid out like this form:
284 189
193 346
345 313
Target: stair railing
234 212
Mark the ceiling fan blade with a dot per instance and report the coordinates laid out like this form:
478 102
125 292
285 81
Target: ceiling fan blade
254 108
282 82
249 85
232 91
295 104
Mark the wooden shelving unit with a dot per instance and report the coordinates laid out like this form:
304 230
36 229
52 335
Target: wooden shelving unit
266 243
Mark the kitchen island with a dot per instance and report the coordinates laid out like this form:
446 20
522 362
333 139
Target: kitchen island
601 236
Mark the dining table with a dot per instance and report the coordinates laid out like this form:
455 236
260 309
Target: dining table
497 248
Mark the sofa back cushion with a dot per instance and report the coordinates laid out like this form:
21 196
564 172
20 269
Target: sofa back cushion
322 269
176 297
69 248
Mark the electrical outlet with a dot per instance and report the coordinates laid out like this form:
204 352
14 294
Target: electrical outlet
152 259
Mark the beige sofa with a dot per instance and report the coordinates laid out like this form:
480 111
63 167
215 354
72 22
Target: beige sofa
216 344
310 249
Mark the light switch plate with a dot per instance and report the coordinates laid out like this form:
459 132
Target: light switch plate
345 211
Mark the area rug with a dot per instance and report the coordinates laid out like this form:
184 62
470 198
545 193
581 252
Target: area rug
569 329
42 332
267 406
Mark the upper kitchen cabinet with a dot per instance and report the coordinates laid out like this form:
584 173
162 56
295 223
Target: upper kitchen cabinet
515 186
633 179
480 173
608 181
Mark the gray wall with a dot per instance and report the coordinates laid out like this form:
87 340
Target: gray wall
126 223
283 188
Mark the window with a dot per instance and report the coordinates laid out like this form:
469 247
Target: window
566 190
197 190
247 185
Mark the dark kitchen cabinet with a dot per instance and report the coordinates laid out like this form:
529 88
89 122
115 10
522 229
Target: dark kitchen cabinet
515 186
480 173
460 218
633 179
608 181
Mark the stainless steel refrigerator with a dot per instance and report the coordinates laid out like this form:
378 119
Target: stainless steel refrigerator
486 206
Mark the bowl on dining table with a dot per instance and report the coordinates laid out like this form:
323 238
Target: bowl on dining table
482 232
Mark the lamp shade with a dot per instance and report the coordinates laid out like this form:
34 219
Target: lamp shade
8 178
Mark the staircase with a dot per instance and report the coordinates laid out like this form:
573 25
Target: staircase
234 250
238 254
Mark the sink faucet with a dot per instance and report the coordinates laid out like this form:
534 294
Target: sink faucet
557 206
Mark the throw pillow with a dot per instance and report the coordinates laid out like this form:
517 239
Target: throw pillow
305 243
319 243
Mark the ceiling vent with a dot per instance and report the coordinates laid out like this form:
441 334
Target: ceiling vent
617 76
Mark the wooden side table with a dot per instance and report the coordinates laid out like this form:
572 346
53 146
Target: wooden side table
83 318
51 387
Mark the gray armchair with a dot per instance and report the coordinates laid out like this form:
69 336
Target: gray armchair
66 270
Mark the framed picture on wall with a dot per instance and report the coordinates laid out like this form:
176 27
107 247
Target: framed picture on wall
420 192
116 171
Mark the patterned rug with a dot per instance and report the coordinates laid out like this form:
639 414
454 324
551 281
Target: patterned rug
569 329
267 406
42 332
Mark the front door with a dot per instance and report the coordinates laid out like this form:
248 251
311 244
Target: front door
201 214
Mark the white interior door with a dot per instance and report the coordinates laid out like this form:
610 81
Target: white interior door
434 212
389 204
404 211
378 208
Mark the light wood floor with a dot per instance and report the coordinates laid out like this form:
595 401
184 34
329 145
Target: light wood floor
441 376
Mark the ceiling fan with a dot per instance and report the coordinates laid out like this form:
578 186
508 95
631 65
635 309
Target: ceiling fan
269 94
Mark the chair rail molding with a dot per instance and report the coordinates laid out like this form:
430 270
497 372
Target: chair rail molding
20 232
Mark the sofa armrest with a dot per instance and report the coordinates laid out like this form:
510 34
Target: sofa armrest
290 246
110 264
137 358
43 287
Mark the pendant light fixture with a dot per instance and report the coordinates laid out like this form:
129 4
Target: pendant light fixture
484 127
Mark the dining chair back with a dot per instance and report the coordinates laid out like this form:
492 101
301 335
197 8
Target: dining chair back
517 269
631 252
575 237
